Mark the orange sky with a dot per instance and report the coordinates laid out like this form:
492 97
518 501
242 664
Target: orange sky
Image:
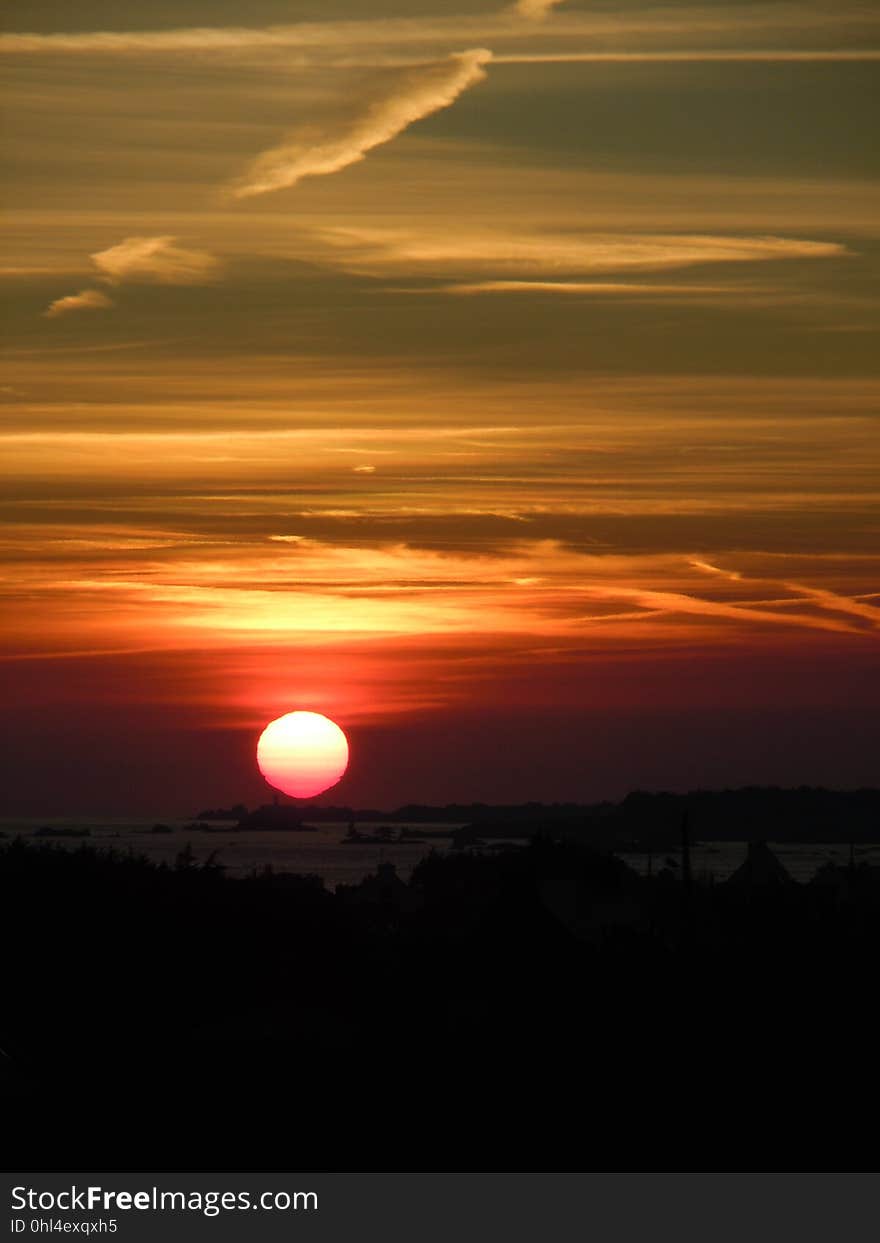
516 409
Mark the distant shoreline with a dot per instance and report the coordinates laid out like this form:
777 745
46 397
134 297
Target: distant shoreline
652 820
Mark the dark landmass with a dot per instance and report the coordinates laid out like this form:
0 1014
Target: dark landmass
235 813
384 835
49 830
544 1008
275 816
641 820
284 817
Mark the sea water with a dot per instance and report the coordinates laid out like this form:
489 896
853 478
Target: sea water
323 852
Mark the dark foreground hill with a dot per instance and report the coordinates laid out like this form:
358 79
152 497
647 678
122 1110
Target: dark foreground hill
538 1009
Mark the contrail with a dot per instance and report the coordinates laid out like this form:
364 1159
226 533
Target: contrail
416 93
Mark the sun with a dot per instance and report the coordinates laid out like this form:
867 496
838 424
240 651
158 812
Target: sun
302 753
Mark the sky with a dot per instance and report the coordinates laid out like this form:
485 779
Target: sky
499 381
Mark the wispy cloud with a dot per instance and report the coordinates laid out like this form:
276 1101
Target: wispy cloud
85 300
820 597
317 151
499 254
835 602
305 36
657 603
695 56
536 10
599 288
155 261
165 590
140 260
849 30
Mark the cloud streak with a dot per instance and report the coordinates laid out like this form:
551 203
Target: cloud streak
553 257
319 151
155 261
820 597
697 56
536 10
165 589
850 33
85 300
598 288
140 261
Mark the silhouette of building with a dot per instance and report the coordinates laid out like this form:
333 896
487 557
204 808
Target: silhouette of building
385 888
848 883
760 870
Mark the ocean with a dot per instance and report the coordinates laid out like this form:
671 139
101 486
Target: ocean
241 853
324 853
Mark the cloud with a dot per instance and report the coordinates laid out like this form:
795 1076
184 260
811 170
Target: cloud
309 37
286 588
554 257
85 300
820 597
835 602
536 10
155 261
140 260
612 288
657 603
698 56
317 151
850 33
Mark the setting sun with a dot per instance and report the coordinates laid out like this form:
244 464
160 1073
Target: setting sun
302 753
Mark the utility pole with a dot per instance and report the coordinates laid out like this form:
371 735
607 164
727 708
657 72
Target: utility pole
687 912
